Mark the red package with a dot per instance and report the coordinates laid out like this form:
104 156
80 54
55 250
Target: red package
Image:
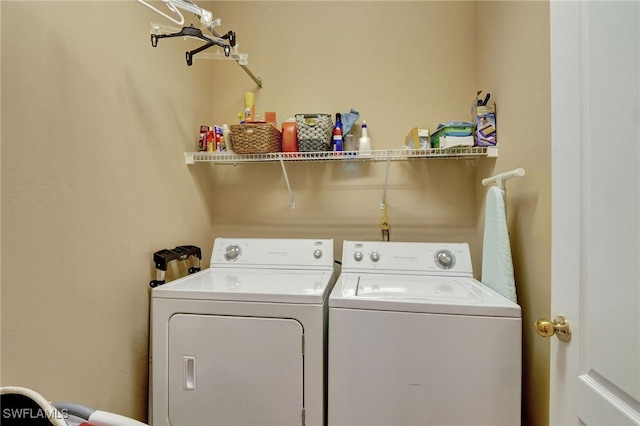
202 145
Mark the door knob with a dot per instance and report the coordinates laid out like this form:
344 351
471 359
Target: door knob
559 327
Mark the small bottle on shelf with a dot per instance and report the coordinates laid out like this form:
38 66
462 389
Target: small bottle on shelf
226 132
337 134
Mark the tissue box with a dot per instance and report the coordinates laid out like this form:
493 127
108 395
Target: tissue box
417 139
485 125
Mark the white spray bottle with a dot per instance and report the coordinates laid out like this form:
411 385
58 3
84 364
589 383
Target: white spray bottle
365 140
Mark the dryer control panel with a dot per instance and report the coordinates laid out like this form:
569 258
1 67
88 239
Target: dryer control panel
407 257
272 252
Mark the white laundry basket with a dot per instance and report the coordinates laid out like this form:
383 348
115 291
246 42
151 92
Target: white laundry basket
25 407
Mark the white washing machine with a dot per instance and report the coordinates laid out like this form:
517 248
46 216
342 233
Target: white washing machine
415 340
244 342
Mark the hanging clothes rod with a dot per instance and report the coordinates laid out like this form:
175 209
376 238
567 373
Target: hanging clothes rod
499 179
257 80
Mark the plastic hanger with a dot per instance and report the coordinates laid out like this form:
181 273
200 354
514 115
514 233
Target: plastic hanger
206 16
192 31
206 19
170 6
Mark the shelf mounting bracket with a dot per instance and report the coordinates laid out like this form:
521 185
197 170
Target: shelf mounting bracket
286 179
386 181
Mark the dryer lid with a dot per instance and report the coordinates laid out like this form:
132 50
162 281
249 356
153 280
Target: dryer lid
255 285
426 294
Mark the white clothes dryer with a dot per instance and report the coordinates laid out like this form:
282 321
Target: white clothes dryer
415 340
244 341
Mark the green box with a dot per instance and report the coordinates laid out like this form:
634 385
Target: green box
453 128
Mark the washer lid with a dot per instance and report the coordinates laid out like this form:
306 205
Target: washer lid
256 285
427 294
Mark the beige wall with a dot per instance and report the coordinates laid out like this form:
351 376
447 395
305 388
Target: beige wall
94 126
513 60
95 123
387 60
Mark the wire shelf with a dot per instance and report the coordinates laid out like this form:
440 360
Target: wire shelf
376 155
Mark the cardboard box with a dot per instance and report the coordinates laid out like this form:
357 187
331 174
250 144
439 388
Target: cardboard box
418 139
485 125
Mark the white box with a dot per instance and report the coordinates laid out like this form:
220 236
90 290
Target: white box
454 141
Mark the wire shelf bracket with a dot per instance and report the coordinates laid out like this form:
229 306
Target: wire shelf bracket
229 158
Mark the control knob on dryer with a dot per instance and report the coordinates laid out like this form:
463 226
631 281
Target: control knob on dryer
374 256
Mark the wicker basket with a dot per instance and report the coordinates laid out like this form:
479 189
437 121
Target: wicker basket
255 138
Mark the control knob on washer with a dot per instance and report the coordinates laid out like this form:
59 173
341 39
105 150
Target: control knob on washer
317 253
357 256
445 259
232 252
375 256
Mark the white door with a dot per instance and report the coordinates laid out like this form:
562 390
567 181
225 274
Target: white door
595 96
226 370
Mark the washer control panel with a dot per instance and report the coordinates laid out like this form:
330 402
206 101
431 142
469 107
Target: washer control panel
407 257
272 252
